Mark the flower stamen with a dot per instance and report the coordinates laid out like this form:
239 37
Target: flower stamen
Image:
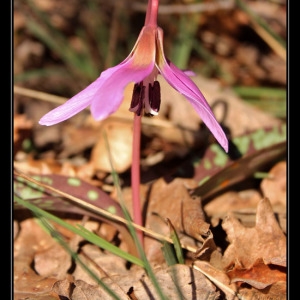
137 100
150 101
154 98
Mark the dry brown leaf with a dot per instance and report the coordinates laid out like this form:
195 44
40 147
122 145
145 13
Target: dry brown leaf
63 288
39 166
28 284
218 277
274 186
266 240
80 290
103 264
193 218
276 291
76 139
209 252
83 291
177 282
49 166
259 276
172 200
54 261
39 260
231 201
42 135
127 196
22 130
32 238
118 147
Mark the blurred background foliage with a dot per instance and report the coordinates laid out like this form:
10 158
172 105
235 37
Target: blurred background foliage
60 46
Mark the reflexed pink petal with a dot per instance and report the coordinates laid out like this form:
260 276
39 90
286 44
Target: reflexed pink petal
198 102
74 105
210 121
184 85
105 94
109 97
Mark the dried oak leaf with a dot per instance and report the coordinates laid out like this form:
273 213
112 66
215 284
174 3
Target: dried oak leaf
266 240
84 291
231 201
114 143
101 263
274 186
256 257
259 276
173 201
54 261
76 139
80 290
277 291
44 166
27 282
176 282
218 277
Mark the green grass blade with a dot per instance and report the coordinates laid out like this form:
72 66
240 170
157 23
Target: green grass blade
176 243
89 236
169 254
57 236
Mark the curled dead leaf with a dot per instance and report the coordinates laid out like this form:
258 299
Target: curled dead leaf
266 240
173 201
114 146
274 186
259 276
218 277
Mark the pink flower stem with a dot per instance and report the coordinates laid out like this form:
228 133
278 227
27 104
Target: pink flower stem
150 20
151 14
135 176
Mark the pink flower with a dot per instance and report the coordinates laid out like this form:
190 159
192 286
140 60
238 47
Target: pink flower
142 66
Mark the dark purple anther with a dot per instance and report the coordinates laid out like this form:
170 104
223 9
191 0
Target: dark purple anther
137 101
154 96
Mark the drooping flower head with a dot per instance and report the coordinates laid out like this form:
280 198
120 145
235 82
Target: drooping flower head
142 66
